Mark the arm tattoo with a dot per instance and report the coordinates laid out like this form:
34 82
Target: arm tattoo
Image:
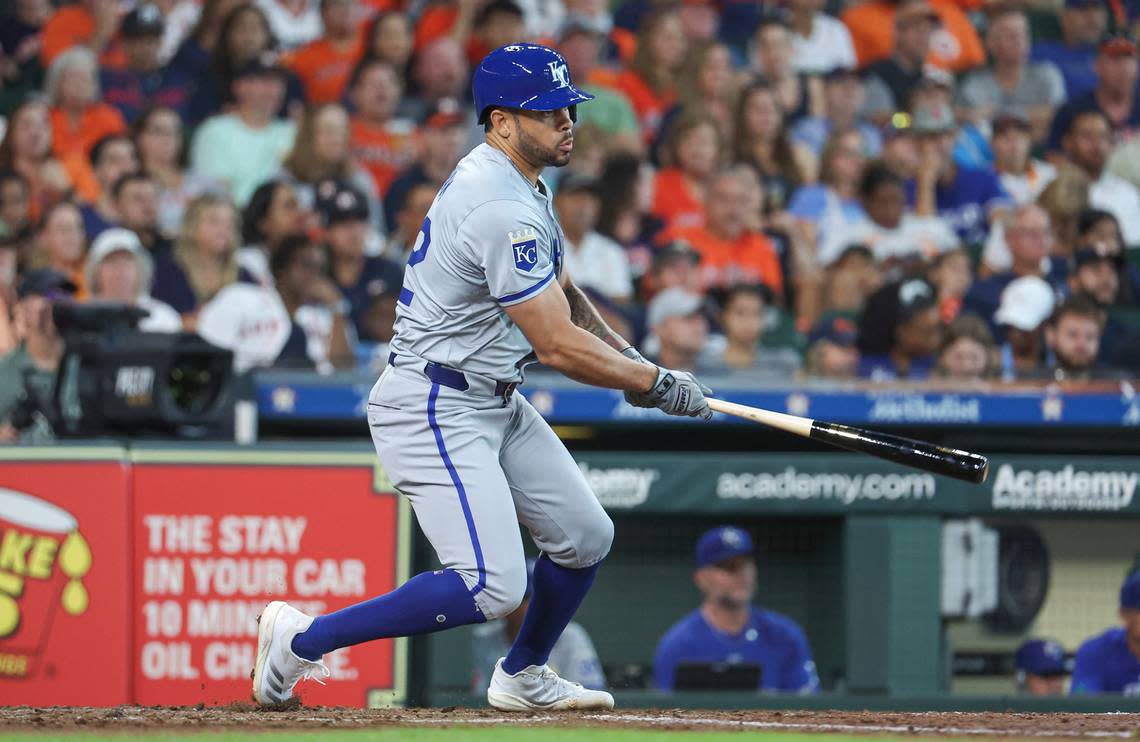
584 315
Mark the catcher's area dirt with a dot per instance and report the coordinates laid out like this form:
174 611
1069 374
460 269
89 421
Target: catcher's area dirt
247 718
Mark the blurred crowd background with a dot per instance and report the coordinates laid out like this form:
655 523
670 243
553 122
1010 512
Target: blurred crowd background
912 190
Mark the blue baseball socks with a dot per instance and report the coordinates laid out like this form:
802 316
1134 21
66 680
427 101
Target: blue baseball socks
556 594
429 602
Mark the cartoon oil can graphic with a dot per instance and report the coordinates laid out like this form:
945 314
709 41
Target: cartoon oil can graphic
43 559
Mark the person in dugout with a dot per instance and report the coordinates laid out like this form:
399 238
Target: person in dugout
1110 662
1040 668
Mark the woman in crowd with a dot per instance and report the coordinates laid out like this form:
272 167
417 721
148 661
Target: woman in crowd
775 54
692 153
650 81
743 318
967 353
272 214
626 188
160 141
61 244
323 149
951 275
707 84
832 206
389 39
79 118
899 332
762 141
204 259
119 269
26 148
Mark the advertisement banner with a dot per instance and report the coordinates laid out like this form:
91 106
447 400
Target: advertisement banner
214 543
64 620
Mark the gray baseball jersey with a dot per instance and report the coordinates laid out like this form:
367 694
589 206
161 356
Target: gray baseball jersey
490 240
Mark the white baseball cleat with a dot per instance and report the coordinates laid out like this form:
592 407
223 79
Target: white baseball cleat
277 670
539 687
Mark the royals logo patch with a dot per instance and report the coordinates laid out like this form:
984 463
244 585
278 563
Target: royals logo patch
524 248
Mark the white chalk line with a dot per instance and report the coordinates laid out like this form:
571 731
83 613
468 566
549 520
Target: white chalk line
779 725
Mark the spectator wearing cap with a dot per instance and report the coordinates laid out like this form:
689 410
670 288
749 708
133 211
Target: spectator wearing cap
324 64
1114 95
581 41
1039 667
1026 303
1110 662
820 42
774 60
246 147
29 367
843 98
1011 80
1086 145
831 351
743 314
61 243
293 23
678 329
831 207
442 141
968 199
592 260
573 656
136 204
728 628
144 81
967 352
90 23
204 258
891 80
1022 176
160 140
383 144
344 217
112 157
323 149
899 332
731 251
321 335
273 213
79 118
1083 23
877 26
119 269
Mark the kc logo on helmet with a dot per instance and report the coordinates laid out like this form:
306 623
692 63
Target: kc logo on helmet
524 246
558 74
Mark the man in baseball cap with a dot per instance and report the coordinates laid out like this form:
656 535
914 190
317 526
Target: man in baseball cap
728 628
675 318
144 79
1040 668
1025 305
1110 663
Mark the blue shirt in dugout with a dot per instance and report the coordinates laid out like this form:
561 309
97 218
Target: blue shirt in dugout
771 640
1104 664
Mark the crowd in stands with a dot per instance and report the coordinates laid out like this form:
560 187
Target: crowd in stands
881 190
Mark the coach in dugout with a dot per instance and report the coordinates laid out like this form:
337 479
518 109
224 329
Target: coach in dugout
728 631
1040 665
1110 663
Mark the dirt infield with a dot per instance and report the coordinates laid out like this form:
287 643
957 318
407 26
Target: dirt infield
248 718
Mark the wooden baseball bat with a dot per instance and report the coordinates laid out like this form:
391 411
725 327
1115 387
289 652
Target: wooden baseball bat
952 462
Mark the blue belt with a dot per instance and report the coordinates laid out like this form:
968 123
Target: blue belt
454 378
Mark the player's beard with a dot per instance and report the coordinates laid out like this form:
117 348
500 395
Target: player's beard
534 152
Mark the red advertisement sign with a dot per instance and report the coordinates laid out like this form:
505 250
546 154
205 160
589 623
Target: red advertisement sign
64 604
213 544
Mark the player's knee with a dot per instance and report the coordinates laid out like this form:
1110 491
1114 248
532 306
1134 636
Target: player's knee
595 542
504 592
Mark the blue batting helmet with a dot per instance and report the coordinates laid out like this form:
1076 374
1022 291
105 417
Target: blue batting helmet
526 76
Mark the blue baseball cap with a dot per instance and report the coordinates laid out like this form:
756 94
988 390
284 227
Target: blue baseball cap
1040 657
722 543
1130 592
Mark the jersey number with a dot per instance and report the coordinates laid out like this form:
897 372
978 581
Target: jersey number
420 252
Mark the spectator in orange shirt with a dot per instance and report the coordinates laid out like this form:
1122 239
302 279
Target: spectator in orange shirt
872 24
382 145
650 83
693 151
730 251
763 142
78 117
324 65
26 148
89 23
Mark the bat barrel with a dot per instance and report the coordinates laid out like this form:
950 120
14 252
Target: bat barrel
951 462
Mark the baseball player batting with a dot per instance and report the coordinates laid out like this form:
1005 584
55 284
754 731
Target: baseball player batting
484 295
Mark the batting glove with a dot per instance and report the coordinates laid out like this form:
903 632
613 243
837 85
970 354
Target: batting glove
679 393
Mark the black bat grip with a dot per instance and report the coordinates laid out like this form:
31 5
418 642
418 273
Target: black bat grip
951 462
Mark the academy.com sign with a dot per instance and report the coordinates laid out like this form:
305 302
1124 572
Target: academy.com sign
847 489
1062 489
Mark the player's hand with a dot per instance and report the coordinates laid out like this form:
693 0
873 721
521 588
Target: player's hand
638 399
679 393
